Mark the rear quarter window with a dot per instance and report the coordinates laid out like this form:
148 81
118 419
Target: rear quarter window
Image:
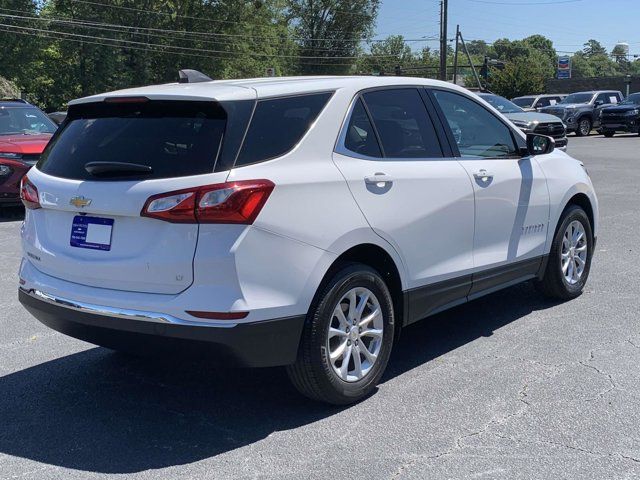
174 138
278 125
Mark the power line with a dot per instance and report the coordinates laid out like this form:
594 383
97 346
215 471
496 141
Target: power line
197 33
188 49
552 2
188 17
45 34
132 31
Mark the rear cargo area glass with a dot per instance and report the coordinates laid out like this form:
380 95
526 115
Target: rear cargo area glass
174 138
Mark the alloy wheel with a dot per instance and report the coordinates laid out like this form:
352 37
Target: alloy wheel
355 334
585 127
574 252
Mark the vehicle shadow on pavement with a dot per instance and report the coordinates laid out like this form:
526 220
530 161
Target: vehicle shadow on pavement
104 412
11 214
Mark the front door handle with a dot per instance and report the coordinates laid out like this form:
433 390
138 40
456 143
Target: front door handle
378 178
483 175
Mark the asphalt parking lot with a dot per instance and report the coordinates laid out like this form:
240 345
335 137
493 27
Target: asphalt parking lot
511 386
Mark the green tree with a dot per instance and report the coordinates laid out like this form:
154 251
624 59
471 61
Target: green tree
520 76
580 66
592 48
17 50
621 57
329 30
385 56
8 89
478 48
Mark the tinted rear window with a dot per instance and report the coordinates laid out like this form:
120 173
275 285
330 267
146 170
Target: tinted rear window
360 137
175 139
278 125
403 124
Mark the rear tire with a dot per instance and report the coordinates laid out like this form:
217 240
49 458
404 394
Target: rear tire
584 127
569 261
608 134
329 338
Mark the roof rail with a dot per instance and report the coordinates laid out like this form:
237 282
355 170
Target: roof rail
192 76
19 100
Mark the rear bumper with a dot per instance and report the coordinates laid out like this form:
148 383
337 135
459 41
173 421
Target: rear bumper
265 343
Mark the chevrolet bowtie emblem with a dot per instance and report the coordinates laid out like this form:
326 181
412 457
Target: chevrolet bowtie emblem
80 202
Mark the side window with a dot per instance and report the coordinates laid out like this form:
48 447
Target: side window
543 102
477 132
403 124
360 137
278 125
604 98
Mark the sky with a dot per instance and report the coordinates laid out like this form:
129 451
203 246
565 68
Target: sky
568 23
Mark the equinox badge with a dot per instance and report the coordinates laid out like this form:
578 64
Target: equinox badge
80 202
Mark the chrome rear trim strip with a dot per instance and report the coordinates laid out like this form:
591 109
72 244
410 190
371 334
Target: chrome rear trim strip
139 315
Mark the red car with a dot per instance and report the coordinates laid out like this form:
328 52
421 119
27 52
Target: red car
24 132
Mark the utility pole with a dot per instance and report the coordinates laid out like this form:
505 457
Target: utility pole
455 57
473 68
444 7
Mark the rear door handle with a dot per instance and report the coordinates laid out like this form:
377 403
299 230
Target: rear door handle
378 177
483 175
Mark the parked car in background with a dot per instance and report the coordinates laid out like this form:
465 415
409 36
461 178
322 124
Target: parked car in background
529 122
580 111
57 117
530 103
24 132
624 117
293 221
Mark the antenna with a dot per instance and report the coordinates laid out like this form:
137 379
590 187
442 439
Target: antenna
192 76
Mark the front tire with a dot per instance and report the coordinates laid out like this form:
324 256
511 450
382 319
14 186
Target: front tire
570 256
584 127
347 338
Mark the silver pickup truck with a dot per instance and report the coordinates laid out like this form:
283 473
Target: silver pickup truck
529 122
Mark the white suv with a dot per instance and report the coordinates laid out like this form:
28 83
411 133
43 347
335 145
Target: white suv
293 221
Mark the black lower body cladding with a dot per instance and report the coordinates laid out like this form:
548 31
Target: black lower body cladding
260 344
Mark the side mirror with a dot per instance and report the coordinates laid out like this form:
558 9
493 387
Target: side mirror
540 144
599 103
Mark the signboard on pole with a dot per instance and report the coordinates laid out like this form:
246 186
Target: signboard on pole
564 67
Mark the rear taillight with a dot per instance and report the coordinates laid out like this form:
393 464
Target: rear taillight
29 194
231 202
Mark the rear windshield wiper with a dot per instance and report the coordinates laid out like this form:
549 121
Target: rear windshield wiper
117 169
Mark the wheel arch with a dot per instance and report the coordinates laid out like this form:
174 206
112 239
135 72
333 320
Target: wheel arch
580 198
588 114
583 201
381 260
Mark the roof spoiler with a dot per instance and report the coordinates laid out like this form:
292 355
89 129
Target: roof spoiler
192 76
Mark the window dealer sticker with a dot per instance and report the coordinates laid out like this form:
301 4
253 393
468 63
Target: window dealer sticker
91 232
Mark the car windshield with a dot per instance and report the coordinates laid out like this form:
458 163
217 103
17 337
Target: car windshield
578 98
501 104
633 99
524 102
24 121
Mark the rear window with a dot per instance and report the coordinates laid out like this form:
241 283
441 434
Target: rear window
278 125
174 139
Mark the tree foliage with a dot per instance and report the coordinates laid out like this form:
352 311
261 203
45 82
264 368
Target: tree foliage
57 50
328 29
